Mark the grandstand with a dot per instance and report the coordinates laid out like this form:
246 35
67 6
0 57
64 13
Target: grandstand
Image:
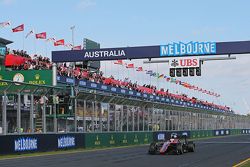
41 97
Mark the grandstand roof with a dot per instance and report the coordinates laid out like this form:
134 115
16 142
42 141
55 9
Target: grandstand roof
5 41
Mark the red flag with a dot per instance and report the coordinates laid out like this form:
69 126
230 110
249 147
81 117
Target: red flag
41 35
130 66
79 47
59 42
139 69
18 28
118 62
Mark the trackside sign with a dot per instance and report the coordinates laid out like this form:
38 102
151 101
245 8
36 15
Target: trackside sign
176 49
184 62
105 53
191 48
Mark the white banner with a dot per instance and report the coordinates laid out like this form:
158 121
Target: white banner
184 62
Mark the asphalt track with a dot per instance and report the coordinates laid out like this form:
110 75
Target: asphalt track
216 152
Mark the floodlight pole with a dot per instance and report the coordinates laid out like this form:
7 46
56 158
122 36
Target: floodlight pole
72 30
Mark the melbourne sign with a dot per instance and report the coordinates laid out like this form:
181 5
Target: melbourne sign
184 62
25 144
66 141
191 48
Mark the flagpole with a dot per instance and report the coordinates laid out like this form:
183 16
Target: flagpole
46 48
23 40
157 76
72 29
118 71
34 43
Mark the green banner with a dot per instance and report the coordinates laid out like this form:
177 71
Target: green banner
113 139
38 77
201 133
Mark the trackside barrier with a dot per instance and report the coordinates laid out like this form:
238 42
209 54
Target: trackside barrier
201 134
99 140
26 143
165 135
16 144
245 131
195 134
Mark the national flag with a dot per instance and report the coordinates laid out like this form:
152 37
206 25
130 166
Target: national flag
168 79
191 87
139 69
41 35
59 42
69 45
5 24
79 47
149 72
186 85
177 81
161 76
119 62
29 33
153 74
172 80
130 66
18 28
196 88
50 39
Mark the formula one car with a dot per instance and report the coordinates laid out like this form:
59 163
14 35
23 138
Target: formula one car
176 144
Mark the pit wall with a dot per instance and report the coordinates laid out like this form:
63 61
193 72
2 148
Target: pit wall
28 143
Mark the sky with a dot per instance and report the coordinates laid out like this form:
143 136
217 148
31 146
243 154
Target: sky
115 23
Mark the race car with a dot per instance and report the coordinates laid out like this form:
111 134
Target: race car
176 144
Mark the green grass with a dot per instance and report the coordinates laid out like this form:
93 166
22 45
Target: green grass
245 163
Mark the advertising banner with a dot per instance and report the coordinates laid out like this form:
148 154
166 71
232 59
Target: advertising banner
173 49
184 62
40 77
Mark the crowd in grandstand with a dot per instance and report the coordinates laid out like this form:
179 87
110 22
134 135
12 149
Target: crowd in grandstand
25 62
40 63
98 77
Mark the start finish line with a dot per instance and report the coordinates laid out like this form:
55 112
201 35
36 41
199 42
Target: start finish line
169 50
